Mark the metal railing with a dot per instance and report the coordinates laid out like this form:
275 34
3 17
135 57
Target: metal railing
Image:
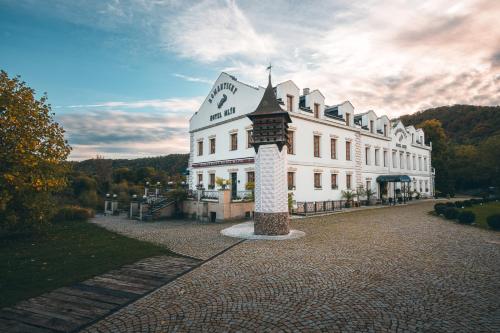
246 195
318 207
211 195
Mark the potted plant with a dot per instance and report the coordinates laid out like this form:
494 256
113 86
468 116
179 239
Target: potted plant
360 191
290 202
369 193
250 186
348 195
222 182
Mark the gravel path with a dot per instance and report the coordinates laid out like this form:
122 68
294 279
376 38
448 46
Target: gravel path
391 269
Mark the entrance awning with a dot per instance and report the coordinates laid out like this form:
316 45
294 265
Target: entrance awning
393 179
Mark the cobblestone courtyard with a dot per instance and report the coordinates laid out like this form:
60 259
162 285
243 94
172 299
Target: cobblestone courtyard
390 269
189 238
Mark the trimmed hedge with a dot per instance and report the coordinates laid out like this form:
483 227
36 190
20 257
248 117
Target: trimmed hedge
467 203
439 208
494 221
450 213
73 213
466 217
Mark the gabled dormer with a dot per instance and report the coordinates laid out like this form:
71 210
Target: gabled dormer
384 126
343 112
420 136
313 101
367 121
288 94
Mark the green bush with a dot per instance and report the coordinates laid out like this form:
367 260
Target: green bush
494 221
451 213
439 208
73 213
459 204
449 204
466 217
467 203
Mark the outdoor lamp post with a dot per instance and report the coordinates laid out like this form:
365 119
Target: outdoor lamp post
157 190
107 195
146 189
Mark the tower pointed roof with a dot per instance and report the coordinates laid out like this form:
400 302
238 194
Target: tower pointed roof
269 104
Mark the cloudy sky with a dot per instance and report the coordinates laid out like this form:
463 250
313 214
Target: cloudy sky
125 76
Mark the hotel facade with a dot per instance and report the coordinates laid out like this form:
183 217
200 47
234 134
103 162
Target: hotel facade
330 148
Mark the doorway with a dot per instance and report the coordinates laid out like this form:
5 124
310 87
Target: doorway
234 185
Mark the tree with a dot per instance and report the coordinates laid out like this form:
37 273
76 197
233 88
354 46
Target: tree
490 160
442 154
32 154
103 172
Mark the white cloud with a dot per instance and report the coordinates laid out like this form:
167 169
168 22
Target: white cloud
212 31
193 79
169 104
394 57
128 129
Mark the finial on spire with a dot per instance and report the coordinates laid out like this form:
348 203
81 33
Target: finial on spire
269 69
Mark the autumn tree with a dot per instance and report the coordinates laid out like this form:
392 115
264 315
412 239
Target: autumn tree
32 154
442 154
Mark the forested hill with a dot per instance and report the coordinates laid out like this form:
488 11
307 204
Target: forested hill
463 124
171 164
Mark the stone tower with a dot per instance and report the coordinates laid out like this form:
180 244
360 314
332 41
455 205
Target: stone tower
270 135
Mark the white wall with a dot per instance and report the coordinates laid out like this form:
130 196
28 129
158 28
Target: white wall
304 126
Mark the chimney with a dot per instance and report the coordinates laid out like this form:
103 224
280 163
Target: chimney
306 91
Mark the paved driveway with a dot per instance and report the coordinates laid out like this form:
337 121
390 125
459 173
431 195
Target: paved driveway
390 269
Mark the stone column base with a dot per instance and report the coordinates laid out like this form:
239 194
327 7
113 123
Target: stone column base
271 224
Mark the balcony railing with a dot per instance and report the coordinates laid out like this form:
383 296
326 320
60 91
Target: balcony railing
246 195
210 195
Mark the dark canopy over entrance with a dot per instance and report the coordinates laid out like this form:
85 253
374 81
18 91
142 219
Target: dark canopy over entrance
393 179
397 196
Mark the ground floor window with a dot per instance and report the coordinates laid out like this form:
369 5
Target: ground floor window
211 183
250 177
348 181
200 179
291 180
368 185
334 181
317 180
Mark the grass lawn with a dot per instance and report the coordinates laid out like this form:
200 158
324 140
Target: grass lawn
482 212
66 253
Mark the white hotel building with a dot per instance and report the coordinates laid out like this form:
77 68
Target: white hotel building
331 148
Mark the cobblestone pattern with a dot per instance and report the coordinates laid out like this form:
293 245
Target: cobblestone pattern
271 224
190 238
392 269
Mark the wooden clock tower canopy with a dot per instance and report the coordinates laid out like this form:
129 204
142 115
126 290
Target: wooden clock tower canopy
270 122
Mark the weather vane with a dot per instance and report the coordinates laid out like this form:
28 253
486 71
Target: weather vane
269 68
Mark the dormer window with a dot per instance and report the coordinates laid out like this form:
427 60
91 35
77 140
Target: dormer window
347 119
371 126
289 103
316 110
385 129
